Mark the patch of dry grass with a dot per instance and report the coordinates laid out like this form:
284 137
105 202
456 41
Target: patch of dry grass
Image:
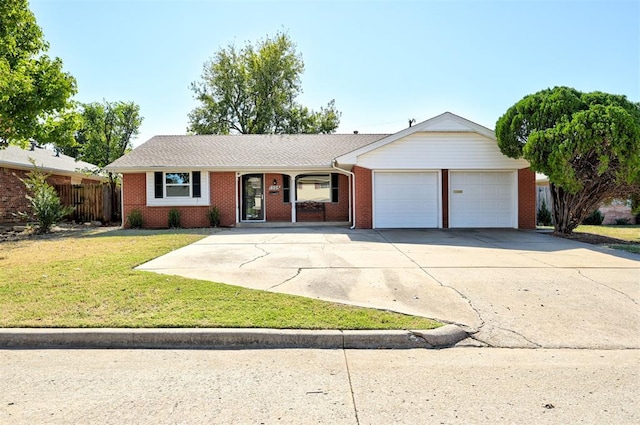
89 281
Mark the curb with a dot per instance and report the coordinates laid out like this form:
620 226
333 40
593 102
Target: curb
226 338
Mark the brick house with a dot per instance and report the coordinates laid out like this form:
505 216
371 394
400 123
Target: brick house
15 165
443 172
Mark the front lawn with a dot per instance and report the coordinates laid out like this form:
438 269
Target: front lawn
89 281
626 237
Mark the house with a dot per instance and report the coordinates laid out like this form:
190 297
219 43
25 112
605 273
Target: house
444 172
15 165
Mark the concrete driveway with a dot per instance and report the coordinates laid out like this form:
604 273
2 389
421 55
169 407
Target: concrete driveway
510 288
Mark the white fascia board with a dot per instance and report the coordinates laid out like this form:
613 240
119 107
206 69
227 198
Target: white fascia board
245 170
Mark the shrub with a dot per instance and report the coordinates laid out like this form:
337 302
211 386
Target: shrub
134 219
213 214
544 215
46 208
174 218
622 221
595 218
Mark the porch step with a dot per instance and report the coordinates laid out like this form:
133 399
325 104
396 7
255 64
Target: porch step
299 224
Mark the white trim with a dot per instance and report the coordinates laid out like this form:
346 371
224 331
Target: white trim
516 200
264 200
174 201
237 195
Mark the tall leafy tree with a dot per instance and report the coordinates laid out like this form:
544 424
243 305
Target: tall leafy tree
588 144
34 90
106 133
253 90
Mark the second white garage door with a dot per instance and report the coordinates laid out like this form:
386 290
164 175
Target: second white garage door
482 199
405 200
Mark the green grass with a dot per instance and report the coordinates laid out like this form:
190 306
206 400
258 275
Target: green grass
628 233
89 281
635 249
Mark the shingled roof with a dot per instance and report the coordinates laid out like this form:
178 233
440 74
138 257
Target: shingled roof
242 151
47 160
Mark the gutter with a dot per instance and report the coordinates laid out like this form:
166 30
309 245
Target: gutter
352 198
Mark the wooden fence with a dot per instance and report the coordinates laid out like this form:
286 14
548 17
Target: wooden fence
91 202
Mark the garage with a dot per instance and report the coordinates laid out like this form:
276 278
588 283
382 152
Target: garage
405 199
482 199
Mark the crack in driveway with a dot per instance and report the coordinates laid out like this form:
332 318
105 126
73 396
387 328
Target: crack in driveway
468 301
256 258
286 280
606 286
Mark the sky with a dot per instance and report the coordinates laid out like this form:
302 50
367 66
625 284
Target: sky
384 62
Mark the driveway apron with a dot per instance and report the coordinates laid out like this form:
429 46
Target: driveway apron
509 288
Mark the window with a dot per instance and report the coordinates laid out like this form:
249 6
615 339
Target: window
286 188
178 188
317 188
177 185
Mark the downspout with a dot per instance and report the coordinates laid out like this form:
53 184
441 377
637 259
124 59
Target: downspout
122 217
238 193
352 198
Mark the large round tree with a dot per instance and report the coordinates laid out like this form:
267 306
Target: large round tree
34 90
253 90
588 144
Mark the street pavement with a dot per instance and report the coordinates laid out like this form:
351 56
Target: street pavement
297 386
508 288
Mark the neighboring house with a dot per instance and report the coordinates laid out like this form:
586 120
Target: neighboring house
443 172
617 209
15 165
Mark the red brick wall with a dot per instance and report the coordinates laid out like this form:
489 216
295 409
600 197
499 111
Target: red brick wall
339 211
221 192
12 193
445 199
276 209
363 201
526 199
222 187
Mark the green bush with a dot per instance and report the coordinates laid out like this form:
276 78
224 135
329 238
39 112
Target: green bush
134 219
46 208
174 218
622 221
544 215
595 218
213 214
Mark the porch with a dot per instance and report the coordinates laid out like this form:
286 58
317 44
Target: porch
294 199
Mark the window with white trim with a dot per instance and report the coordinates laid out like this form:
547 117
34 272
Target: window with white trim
177 184
317 188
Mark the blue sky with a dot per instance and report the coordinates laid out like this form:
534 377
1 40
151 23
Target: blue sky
382 61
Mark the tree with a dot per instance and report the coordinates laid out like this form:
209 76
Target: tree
33 88
106 133
253 91
45 204
588 144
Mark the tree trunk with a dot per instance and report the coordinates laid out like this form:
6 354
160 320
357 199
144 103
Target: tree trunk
569 209
114 199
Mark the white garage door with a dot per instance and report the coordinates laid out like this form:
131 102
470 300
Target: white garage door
482 199
405 200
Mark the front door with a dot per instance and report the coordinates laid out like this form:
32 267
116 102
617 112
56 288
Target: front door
252 197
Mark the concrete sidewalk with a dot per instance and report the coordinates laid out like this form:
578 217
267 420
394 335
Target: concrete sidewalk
509 288
455 386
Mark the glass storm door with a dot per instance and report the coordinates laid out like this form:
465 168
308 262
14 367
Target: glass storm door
252 197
